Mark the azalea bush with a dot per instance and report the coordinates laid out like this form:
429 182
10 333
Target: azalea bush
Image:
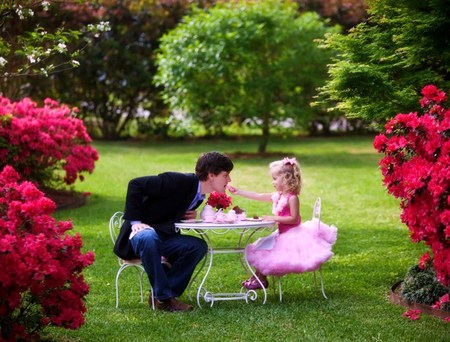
46 145
218 200
416 169
41 281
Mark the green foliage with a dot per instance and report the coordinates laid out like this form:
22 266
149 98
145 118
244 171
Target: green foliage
32 44
384 63
113 85
254 61
422 286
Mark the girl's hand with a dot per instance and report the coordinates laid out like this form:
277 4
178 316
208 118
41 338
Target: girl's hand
269 218
232 190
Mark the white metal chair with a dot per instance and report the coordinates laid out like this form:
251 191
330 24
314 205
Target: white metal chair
115 223
315 215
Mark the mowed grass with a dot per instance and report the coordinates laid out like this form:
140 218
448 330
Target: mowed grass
372 252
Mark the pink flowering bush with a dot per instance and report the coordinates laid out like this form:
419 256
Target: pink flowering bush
40 280
416 169
46 145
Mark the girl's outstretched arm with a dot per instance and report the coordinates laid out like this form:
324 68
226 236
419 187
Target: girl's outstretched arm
264 197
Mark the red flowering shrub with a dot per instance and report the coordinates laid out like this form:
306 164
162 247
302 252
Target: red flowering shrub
218 200
41 142
416 169
40 279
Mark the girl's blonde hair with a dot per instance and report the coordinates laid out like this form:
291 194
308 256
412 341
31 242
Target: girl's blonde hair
289 170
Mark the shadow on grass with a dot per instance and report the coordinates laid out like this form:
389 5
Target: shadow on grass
97 210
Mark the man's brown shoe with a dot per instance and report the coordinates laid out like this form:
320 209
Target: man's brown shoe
164 305
171 305
180 306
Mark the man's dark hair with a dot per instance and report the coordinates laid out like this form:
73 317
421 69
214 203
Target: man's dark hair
212 162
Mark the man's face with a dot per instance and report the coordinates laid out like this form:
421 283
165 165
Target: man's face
219 182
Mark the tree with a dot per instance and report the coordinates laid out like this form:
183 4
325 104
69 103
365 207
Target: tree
36 41
251 60
113 84
384 63
346 13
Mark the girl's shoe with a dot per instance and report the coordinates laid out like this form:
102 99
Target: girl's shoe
253 284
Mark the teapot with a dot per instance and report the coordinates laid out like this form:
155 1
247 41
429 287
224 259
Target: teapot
207 212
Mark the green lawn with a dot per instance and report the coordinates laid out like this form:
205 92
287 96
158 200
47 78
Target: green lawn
372 252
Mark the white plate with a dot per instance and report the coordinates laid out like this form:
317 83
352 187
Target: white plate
191 221
252 219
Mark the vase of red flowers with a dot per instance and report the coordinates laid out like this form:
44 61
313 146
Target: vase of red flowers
219 200
216 201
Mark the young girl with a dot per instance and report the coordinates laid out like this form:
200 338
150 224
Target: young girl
295 247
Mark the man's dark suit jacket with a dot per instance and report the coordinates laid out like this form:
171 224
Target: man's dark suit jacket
158 201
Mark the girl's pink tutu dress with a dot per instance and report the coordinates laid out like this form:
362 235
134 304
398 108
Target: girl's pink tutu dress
293 248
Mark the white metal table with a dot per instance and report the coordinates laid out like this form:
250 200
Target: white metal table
245 229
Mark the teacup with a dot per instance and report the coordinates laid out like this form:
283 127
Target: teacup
209 218
242 216
231 216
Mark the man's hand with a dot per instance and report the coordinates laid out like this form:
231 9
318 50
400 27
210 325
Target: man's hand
190 215
137 227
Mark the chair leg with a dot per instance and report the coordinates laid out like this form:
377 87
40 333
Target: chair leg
117 294
141 279
273 287
279 289
152 296
117 286
140 285
315 284
321 284
277 280
141 288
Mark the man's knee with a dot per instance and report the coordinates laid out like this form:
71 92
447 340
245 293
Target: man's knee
202 247
145 239
198 245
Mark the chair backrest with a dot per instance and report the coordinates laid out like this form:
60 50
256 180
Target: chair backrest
115 223
317 209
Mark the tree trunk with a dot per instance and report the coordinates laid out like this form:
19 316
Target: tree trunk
265 134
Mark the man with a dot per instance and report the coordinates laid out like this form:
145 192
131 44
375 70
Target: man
153 205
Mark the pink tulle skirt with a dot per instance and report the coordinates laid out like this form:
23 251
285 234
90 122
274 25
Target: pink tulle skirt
300 249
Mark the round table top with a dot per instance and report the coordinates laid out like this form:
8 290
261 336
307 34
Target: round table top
200 225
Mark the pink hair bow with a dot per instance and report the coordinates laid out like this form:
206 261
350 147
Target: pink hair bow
289 161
